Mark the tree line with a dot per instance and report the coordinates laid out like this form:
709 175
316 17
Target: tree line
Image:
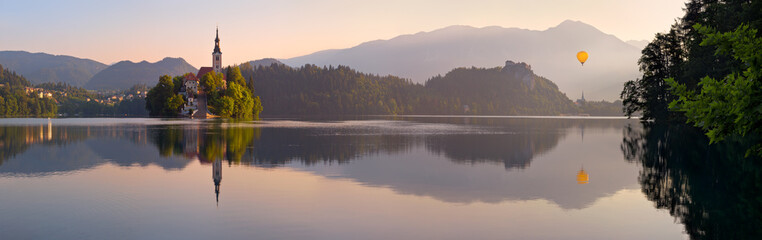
705 71
16 101
340 90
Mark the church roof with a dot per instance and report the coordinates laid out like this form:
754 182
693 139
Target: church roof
204 70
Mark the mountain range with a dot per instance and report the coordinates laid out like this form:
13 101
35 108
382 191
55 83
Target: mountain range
125 74
552 53
419 57
43 67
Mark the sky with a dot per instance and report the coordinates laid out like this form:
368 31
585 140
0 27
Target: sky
137 30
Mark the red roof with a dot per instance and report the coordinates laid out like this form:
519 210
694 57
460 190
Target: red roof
203 71
190 77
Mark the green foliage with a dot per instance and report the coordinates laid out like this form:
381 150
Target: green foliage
228 100
162 100
662 58
177 83
224 106
15 100
343 91
174 103
211 81
235 102
679 55
233 74
732 104
497 91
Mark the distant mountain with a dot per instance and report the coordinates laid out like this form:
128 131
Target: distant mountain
552 53
265 62
639 44
125 74
43 67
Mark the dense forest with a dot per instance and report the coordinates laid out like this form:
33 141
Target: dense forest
16 100
341 90
705 70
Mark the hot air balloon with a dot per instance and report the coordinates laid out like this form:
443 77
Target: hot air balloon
582 57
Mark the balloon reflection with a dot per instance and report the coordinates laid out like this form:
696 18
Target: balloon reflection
583 177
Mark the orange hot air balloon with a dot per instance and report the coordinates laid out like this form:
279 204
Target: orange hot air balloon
582 57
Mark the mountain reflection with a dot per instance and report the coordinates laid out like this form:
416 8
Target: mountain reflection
714 190
450 159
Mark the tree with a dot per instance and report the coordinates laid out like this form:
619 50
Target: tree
234 75
680 55
236 102
174 104
731 105
211 81
177 82
661 59
224 106
161 100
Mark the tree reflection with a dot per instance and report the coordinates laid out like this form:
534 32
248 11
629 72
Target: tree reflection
17 139
208 143
712 189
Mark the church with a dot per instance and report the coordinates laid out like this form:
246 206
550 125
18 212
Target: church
191 83
216 59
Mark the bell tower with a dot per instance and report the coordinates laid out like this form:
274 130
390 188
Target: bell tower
217 54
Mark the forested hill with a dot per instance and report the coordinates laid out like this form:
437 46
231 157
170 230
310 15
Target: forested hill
16 101
510 90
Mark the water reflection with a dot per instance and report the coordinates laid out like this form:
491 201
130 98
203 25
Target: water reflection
583 177
449 159
217 178
712 189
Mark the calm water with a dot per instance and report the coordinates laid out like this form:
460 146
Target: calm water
386 178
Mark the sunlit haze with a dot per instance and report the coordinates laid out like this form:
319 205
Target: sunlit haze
139 30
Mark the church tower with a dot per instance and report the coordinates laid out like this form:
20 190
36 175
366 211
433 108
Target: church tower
217 55
217 177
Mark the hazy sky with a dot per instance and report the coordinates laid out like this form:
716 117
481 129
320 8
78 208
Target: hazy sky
136 30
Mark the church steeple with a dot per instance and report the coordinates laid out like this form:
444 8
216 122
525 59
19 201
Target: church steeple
217 54
217 42
217 177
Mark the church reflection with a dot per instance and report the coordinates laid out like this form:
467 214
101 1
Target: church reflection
217 178
510 143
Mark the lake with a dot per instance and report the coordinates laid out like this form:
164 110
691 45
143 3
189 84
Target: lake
417 177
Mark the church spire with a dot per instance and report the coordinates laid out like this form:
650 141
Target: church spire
217 54
217 42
